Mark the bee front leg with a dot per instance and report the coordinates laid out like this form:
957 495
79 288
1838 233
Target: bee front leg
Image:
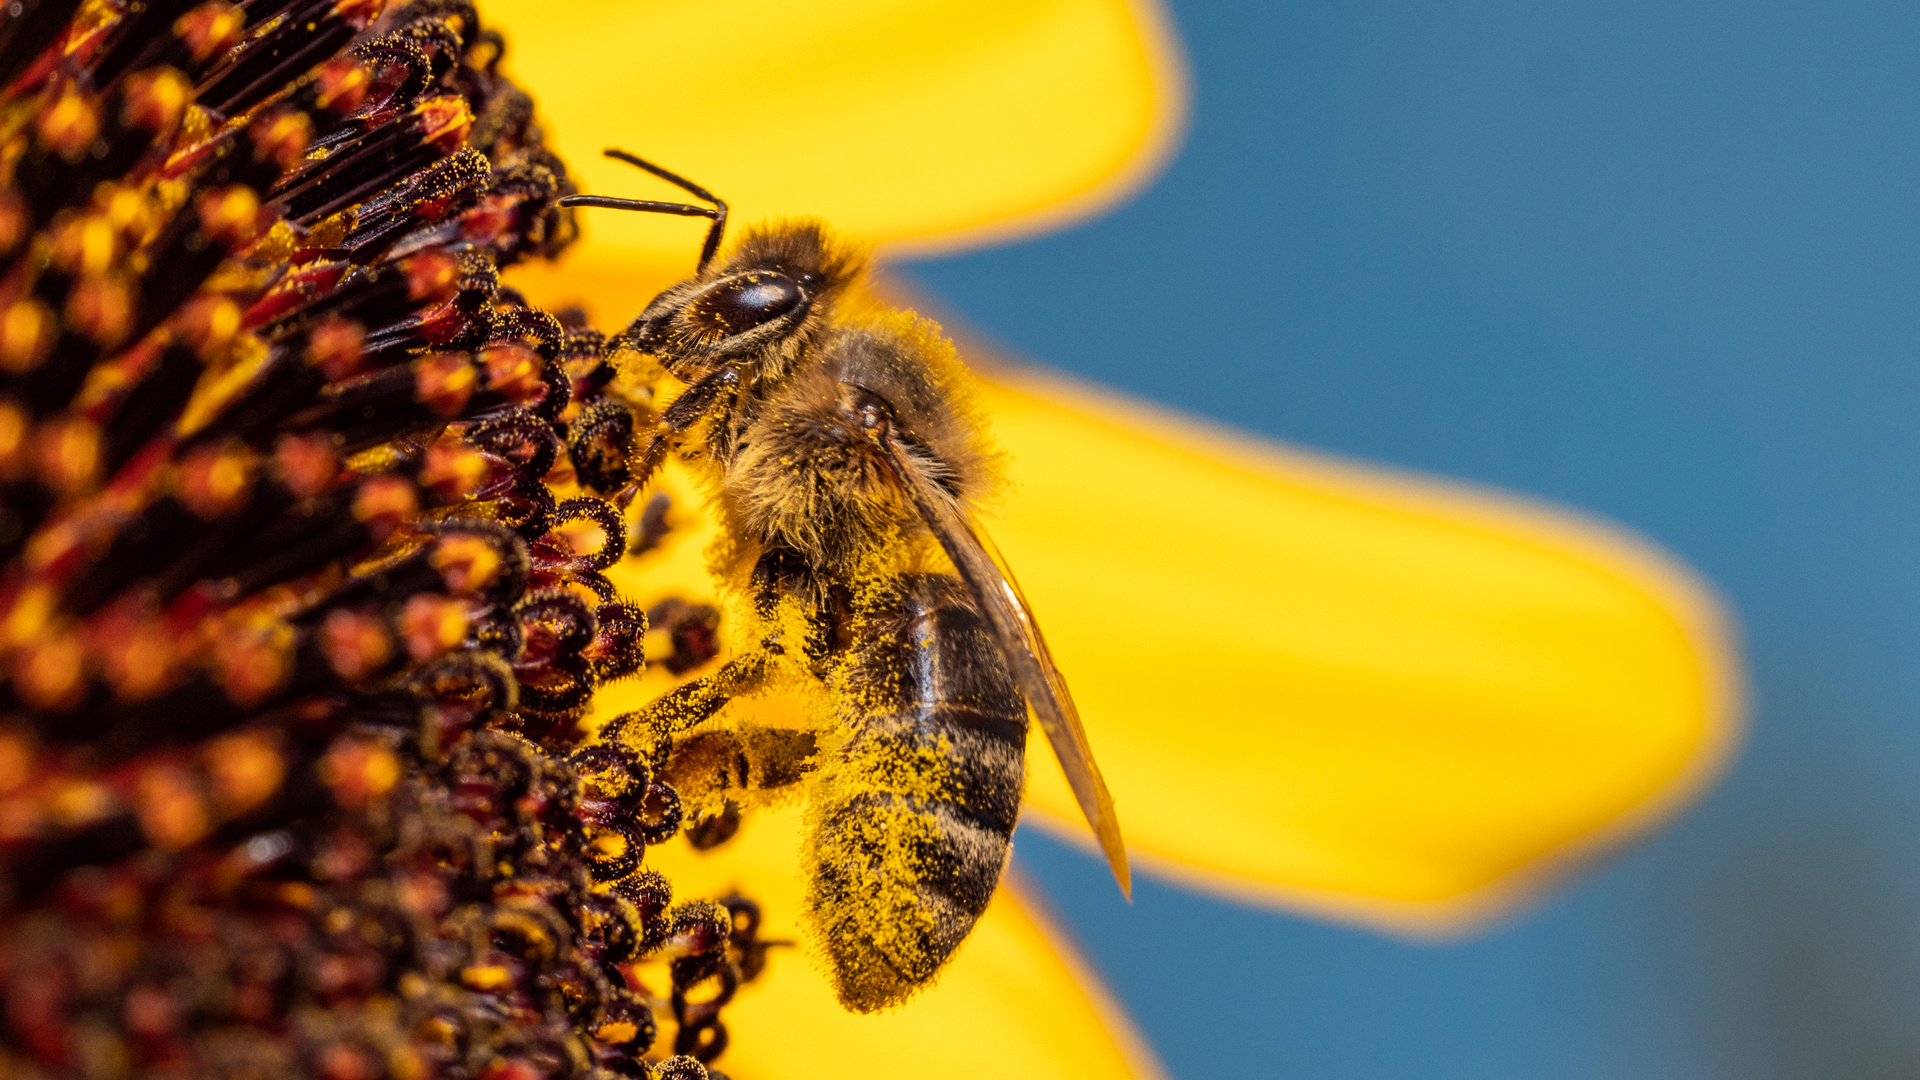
693 403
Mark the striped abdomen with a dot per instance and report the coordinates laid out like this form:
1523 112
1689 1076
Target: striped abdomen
913 817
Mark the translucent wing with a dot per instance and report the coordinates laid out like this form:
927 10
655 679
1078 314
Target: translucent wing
1023 646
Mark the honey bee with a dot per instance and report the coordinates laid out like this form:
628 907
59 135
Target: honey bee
843 454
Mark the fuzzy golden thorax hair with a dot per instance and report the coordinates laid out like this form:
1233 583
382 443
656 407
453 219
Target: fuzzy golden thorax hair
758 309
805 476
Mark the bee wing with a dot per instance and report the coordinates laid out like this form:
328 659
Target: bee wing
1020 641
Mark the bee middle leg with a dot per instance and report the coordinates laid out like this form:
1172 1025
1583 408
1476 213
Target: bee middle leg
650 732
782 573
778 575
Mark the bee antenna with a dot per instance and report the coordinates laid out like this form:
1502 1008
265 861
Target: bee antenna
718 212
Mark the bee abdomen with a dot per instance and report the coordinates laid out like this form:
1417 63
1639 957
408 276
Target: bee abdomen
898 883
916 811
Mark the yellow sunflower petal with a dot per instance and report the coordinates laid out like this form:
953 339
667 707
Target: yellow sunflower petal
922 124
1014 1004
1385 698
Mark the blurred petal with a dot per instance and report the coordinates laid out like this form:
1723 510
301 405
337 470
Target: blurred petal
1014 1004
920 124
1385 698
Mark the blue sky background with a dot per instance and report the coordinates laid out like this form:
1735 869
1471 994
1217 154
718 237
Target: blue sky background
1656 260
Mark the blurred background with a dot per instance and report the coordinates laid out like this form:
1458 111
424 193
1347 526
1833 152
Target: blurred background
1655 260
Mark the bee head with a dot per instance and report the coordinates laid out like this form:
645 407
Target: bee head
816 470
758 308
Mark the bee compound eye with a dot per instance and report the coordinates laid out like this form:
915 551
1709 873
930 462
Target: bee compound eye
742 302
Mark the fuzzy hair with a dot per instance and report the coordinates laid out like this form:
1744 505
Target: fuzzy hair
802 476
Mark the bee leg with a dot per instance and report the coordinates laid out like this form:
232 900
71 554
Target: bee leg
779 572
649 732
782 572
686 410
710 768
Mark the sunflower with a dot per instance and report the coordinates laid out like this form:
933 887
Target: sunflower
1332 688
304 586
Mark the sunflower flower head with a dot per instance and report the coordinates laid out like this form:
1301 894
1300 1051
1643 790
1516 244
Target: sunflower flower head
298 610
